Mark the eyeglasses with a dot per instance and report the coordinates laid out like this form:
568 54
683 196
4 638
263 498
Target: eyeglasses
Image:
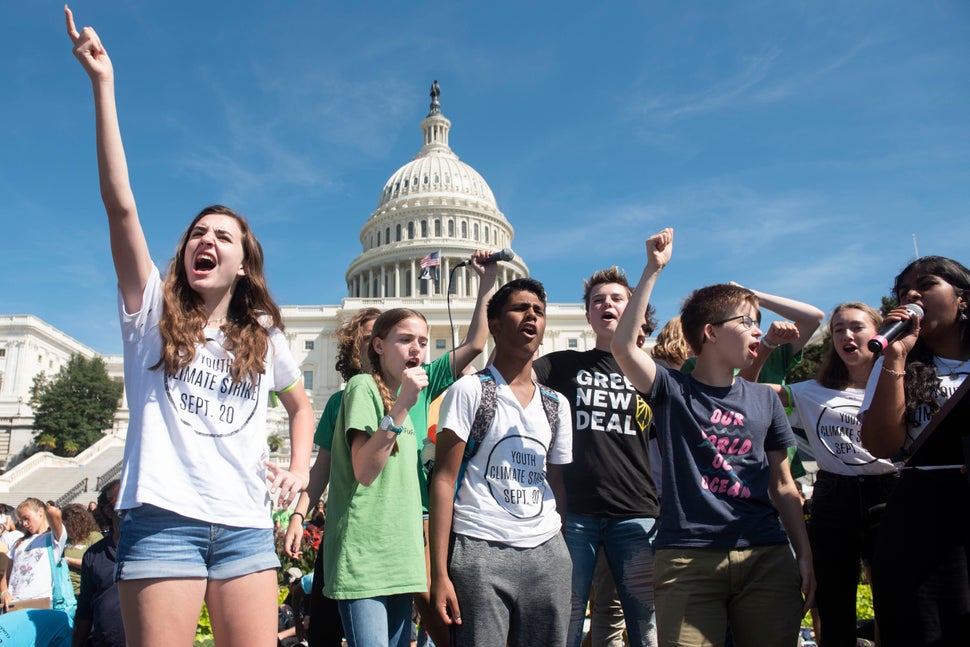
746 321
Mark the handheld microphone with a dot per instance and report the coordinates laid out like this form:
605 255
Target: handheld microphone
501 255
891 331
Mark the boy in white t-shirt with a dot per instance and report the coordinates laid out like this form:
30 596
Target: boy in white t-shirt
497 554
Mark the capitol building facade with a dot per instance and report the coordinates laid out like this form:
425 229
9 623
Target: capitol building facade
435 203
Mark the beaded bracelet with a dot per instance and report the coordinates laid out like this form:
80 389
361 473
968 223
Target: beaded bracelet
893 373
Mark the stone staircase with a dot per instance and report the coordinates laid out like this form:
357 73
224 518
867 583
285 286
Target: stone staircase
66 480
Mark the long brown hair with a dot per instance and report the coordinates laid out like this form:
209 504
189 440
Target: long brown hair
382 328
251 310
832 371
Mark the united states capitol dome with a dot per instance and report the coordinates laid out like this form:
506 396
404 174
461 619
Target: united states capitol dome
433 204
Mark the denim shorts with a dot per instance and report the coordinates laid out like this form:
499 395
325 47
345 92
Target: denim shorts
158 543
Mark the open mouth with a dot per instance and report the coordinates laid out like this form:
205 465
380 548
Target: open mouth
204 262
754 348
413 362
850 348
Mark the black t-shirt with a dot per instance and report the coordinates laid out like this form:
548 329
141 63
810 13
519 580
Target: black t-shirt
610 474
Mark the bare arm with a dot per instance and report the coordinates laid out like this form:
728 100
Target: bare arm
129 250
780 332
449 450
5 595
638 366
369 454
319 477
474 342
807 318
784 494
884 423
289 482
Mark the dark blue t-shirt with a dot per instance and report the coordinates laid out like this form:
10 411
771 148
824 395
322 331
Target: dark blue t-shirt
98 600
715 469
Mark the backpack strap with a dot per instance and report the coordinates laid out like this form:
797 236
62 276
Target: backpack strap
550 404
484 416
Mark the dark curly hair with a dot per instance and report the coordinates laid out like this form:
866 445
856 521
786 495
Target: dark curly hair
922 382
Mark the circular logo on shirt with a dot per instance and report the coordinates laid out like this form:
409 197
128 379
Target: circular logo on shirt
839 430
206 399
516 476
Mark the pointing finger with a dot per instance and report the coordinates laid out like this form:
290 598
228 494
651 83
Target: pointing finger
71 29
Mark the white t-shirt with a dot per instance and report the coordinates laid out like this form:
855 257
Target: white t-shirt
833 429
505 496
197 441
951 376
30 570
9 538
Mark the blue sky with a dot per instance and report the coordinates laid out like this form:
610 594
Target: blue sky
795 147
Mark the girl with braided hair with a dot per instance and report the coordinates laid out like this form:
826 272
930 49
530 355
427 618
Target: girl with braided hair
373 547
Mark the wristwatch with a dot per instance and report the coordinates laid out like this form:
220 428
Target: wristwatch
387 424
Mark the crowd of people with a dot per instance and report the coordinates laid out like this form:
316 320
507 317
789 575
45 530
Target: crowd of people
662 483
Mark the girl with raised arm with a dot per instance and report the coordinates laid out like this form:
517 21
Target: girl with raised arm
373 547
921 578
203 349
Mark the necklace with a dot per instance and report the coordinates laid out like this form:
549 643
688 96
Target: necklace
951 366
214 322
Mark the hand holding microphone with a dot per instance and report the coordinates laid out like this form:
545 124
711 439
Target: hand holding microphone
501 255
894 329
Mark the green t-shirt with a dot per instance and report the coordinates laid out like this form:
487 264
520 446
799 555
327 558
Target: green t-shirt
439 378
373 544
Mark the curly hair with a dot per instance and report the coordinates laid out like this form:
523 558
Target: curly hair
922 382
671 347
78 522
349 338
251 310
832 371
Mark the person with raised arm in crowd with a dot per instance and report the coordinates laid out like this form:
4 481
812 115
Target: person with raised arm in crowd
499 565
203 349
722 553
353 339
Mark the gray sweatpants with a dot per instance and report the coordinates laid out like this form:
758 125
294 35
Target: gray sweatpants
507 595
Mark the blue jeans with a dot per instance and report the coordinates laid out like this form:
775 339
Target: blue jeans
383 621
628 546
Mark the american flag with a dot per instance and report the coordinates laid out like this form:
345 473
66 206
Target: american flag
431 260
429 266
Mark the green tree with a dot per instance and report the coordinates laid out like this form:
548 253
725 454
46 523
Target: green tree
811 358
74 406
888 303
